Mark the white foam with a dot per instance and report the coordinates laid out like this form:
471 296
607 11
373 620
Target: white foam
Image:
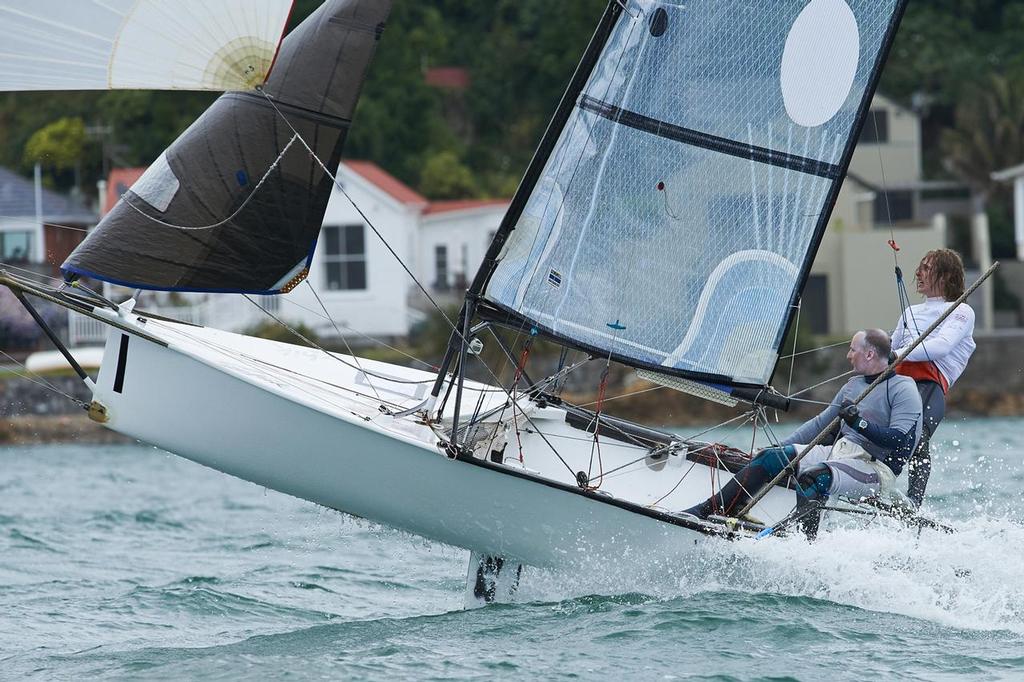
965 580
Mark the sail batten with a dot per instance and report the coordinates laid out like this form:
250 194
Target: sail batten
675 217
696 138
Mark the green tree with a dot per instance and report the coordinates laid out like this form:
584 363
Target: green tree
445 177
989 135
57 145
397 122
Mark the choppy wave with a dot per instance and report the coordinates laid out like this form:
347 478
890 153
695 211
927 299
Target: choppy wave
173 571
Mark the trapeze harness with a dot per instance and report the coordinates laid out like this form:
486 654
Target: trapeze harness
934 365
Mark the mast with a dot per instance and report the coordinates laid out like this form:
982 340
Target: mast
533 173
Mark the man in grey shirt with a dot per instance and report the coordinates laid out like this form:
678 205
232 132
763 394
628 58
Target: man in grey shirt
863 456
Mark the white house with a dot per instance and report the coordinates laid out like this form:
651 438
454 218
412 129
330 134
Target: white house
883 197
453 238
354 274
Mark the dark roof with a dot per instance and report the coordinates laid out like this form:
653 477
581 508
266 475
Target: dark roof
18 200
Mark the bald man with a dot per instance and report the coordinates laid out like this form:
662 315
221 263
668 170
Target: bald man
862 457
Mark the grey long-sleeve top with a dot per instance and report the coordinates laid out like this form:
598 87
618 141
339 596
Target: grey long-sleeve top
892 412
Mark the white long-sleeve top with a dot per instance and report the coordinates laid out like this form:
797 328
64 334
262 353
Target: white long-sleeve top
949 347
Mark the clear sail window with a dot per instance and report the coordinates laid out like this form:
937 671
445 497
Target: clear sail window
344 254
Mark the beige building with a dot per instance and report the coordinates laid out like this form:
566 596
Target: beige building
852 283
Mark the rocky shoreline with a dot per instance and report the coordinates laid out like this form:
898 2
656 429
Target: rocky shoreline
993 385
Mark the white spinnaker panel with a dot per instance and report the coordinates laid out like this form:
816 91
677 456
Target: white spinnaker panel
138 44
682 201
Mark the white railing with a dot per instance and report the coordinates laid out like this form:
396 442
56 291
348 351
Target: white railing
87 331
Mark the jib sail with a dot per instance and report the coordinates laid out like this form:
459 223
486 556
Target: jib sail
236 203
671 220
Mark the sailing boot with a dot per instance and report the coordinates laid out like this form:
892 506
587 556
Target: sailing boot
765 466
811 494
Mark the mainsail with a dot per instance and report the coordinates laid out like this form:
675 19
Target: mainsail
673 211
138 44
236 203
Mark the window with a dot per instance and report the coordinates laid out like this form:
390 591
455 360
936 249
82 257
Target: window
814 304
462 277
876 127
893 206
15 247
441 267
344 257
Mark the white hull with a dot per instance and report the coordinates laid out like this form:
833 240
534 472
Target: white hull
249 408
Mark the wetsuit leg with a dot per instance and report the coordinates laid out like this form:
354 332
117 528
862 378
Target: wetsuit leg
919 467
751 478
813 486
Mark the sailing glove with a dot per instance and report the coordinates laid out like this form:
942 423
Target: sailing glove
850 414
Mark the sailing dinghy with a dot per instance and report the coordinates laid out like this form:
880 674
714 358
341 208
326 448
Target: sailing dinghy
668 222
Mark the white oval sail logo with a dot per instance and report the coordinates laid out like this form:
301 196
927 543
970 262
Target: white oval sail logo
819 62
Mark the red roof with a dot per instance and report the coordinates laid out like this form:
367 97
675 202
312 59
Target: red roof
462 205
118 182
387 182
451 77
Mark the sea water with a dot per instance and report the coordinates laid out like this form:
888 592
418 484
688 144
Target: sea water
126 562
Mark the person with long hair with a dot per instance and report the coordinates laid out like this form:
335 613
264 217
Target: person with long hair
941 358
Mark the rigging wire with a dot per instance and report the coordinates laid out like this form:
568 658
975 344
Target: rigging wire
343 339
341 188
908 309
388 246
820 383
796 335
901 288
885 196
372 226
282 373
36 378
634 17
40 277
47 223
316 345
746 418
624 395
815 350
355 331
602 387
523 356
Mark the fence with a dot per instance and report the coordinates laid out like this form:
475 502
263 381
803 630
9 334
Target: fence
87 331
